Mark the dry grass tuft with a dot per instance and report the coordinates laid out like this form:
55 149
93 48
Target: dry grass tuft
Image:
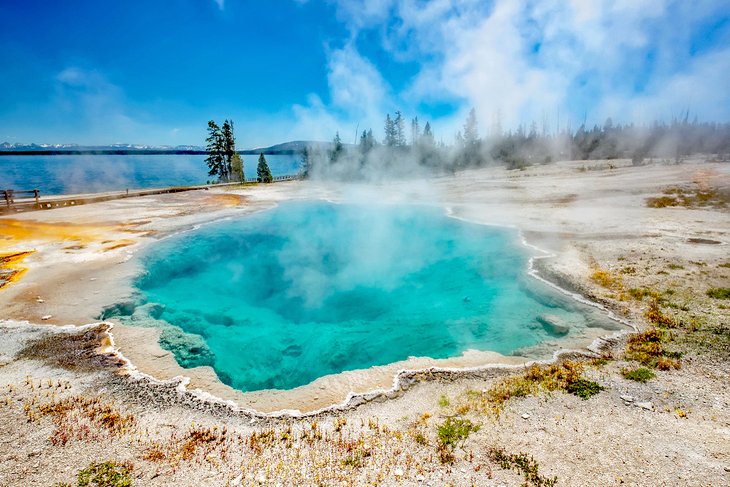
565 376
81 418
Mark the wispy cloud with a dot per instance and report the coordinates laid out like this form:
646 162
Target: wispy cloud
528 61
220 3
358 96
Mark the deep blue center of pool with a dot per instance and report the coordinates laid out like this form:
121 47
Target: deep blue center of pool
288 295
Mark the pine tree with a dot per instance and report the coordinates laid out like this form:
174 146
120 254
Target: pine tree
415 132
428 138
215 149
390 132
367 141
237 171
262 171
229 148
337 148
306 162
471 133
400 136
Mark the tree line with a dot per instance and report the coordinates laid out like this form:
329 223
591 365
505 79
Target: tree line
514 149
224 162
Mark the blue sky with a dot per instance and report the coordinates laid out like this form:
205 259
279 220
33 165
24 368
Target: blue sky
154 71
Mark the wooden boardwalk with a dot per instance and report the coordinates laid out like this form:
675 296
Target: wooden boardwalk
15 201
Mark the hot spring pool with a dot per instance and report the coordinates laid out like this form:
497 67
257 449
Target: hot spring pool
277 299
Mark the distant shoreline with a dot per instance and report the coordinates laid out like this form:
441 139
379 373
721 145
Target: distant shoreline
131 152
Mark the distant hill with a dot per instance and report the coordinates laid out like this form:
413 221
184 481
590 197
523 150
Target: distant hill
293 147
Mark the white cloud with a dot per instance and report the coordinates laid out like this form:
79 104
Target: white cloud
220 3
531 60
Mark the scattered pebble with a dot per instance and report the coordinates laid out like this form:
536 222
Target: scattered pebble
526 416
46 317
38 299
645 405
627 398
398 472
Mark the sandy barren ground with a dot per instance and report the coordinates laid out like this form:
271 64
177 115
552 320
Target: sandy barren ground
62 406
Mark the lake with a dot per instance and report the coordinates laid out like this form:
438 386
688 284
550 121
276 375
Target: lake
69 174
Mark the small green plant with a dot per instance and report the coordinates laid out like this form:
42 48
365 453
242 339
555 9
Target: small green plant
725 265
443 401
675 266
453 433
105 474
356 459
420 438
584 388
719 293
641 374
524 464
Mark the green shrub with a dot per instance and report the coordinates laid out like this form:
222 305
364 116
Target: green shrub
719 293
524 464
452 433
443 401
106 474
584 388
642 374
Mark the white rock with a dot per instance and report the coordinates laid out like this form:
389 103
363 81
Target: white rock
46 317
645 405
237 480
420 478
398 472
261 478
526 416
40 300
627 398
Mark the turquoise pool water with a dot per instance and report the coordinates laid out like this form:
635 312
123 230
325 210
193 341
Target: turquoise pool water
279 298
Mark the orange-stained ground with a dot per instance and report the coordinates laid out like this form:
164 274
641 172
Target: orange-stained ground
14 231
72 236
225 199
10 268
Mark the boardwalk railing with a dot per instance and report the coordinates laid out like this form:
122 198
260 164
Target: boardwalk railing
276 179
27 200
9 195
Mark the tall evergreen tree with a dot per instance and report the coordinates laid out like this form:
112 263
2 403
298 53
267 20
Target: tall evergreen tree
229 147
471 132
216 151
400 135
428 138
262 171
337 148
390 132
415 132
237 171
367 142
306 162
